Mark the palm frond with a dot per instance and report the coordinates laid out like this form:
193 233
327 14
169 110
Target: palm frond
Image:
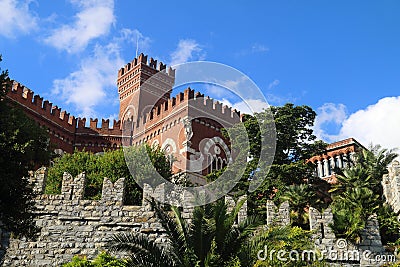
175 228
142 250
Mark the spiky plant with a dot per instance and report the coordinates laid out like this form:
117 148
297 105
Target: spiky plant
212 238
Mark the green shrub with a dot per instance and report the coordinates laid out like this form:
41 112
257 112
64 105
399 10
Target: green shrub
102 260
110 164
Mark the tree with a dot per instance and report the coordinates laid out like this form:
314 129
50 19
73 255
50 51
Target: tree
299 197
211 239
22 144
295 144
358 194
110 164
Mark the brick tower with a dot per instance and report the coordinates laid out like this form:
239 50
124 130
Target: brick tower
133 91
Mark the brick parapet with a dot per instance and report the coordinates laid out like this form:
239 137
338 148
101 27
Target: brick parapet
195 105
66 132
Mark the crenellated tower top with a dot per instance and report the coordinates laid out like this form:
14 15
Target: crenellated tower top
130 82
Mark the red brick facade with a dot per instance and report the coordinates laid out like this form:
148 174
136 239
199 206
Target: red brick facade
187 126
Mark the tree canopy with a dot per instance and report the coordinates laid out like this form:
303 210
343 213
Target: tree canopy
23 144
295 144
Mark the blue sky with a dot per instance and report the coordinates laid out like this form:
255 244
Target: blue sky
342 58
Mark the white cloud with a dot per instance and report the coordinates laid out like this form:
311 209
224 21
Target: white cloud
94 81
216 91
92 21
16 17
138 40
248 106
257 48
187 50
273 84
253 49
87 86
378 123
327 114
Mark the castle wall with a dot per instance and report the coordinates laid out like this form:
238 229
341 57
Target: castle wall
391 186
338 251
164 121
278 215
66 132
72 225
141 83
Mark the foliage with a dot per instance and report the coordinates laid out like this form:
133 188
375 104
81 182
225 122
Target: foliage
299 197
22 144
389 225
211 239
358 195
273 239
110 164
102 260
295 144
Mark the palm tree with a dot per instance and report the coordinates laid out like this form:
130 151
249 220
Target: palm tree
299 197
212 238
358 193
367 169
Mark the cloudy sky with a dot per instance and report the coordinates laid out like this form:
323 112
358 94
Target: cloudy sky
341 58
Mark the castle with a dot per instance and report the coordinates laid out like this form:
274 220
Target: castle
187 126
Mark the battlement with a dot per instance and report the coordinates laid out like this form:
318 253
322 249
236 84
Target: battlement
73 188
103 128
71 225
35 105
198 106
142 61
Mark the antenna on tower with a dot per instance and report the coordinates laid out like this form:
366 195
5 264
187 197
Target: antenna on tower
137 44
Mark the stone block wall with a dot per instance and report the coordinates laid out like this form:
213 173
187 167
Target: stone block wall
391 186
230 203
347 253
278 215
71 225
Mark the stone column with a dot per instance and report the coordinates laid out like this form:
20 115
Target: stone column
339 161
345 162
332 162
326 167
320 169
